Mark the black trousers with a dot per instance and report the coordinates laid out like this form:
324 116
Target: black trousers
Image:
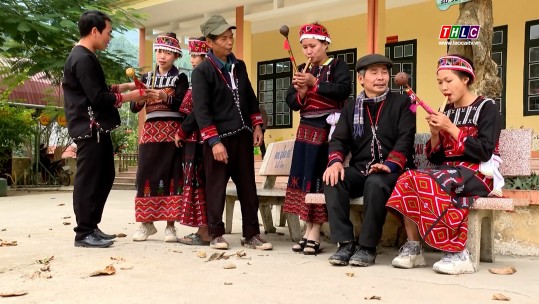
240 167
375 189
93 181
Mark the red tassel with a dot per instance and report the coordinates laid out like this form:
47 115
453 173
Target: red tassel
286 45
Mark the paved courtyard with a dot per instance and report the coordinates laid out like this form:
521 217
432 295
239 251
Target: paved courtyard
157 272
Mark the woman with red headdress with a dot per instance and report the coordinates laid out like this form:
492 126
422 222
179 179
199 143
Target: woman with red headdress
193 206
434 203
159 181
317 92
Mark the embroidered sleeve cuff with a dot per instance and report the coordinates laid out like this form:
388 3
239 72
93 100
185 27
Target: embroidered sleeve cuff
209 132
214 140
430 150
455 147
181 134
115 88
315 87
256 119
396 158
298 98
118 102
335 157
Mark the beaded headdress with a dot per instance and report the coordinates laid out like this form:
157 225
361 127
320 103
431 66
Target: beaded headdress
168 44
315 31
198 47
455 63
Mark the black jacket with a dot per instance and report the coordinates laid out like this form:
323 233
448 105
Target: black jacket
396 133
87 97
214 105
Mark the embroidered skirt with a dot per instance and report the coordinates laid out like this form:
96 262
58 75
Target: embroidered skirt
159 173
420 196
309 162
193 205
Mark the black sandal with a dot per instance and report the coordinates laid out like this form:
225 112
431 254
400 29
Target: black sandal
312 248
301 245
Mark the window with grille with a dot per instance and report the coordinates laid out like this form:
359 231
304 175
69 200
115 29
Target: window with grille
404 57
499 55
274 78
531 69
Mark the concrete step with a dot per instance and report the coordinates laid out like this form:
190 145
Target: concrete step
126 174
125 180
123 186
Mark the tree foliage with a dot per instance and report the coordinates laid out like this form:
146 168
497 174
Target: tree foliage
38 35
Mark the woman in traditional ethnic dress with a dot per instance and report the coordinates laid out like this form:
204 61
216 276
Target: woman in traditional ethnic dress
434 203
193 206
318 94
159 178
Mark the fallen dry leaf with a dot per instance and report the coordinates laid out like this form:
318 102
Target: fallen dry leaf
28 235
38 274
177 251
66 223
240 254
35 275
500 297
201 254
229 266
60 205
350 274
373 298
45 260
13 293
228 283
109 270
504 270
3 229
121 235
8 243
217 256
45 268
120 259
127 268
66 217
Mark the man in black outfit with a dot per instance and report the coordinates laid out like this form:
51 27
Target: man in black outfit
91 111
378 130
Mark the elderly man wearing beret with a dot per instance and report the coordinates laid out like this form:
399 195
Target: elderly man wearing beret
378 131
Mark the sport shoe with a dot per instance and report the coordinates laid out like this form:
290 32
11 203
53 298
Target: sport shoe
410 256
170 234
454 263
256 242
343 254
363 257
144 231
219 243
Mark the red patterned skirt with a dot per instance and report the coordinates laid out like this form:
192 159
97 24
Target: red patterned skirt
193 206
420 198
159 174
308 165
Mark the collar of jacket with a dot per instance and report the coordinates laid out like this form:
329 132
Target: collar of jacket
224 67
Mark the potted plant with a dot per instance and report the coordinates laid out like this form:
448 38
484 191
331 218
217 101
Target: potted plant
523 187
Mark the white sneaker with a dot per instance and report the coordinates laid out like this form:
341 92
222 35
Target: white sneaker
410 256
170 234
454 263
144 231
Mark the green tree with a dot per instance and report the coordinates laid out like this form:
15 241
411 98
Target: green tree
37 35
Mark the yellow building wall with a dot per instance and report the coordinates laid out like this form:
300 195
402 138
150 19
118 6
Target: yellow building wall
345 33
422 22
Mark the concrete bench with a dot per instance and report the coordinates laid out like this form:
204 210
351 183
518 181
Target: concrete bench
276 163
515 151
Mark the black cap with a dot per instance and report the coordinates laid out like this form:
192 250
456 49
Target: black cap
372 59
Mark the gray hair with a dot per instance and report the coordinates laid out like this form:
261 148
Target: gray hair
362 72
